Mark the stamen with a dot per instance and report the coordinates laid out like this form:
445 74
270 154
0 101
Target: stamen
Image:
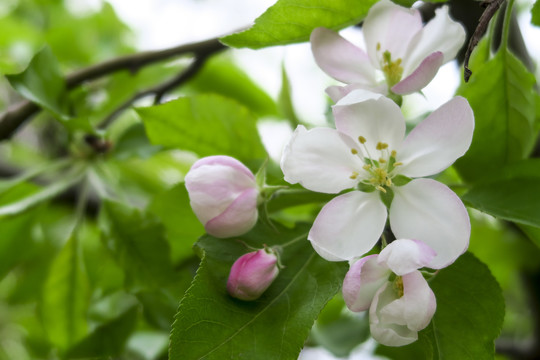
398 163
380 188
362 139
354 175
388 182
381 145
366 167
354 151
382 161
378 46
393 153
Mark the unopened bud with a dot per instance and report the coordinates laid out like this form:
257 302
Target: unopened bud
252 274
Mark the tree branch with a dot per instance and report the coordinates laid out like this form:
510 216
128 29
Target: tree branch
18 113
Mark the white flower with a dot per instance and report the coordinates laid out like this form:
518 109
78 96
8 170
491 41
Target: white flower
401 306
368 149
400 50
223 194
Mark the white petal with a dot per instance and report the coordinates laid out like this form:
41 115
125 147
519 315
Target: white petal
393 27
389 334
319 160
362 281
440 34
348 226
404 256
421 76
373 116
415 308
439 140
429 211
337 92
340 59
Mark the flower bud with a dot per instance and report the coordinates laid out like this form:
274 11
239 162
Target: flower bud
252 274
223 194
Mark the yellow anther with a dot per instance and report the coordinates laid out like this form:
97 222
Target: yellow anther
366 167
354 151
398 163
354 175
398 62
380 188
382 161
382 146
398 286
388 182
362 139
378 46
393 153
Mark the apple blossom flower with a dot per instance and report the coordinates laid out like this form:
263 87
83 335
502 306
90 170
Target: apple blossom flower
252 274
368 152
399 306
223 194
402 55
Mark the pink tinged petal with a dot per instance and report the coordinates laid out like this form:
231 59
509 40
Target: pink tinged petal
415 308
212 187
225 161
373 116
348 226
440 34
393 27
336 92
388 333
429 211
420 77
238 218
404 256
252 274
435 143
340 59
319 160
362 281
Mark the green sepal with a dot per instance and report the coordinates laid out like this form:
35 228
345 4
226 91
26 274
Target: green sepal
387 197
400 180
365 187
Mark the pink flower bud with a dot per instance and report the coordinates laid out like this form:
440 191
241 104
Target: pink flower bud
223 194
252 274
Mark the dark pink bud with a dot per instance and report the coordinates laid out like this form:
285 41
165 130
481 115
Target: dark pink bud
252 274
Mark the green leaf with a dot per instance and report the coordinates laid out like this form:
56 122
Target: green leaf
181 225
221 76
502 97
291 21
108 339
535 12
205 124
273 327
285 100
515 200
137 241
65 297
294 197
42 82
469 316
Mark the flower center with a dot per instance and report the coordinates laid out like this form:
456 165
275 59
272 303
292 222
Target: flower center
393 71
398 286
378 172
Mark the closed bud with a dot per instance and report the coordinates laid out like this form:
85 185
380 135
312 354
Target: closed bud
252 274
223 194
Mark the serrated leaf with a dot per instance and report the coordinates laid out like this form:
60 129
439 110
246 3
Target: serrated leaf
108 339
291 21
205 124
41 82
65 297
515 200
469 316
212 325
138 243
502 97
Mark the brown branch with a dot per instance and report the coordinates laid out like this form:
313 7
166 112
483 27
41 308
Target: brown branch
491 8
18 113
158 91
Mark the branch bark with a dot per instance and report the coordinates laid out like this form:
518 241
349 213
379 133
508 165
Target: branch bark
19 113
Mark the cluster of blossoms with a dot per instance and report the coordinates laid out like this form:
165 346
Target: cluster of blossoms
379 171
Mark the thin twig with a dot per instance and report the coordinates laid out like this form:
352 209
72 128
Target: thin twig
491 8
18 113
158 91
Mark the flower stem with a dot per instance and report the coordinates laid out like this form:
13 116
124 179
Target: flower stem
506 25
